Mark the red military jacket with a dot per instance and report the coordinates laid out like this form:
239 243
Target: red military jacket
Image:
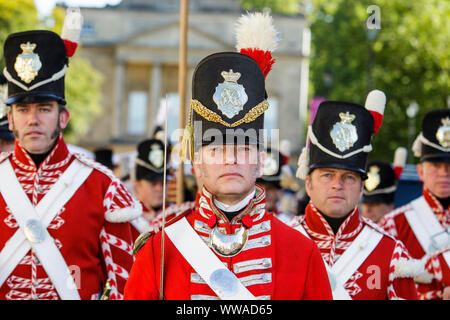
91 230
382 275
276 262
437 272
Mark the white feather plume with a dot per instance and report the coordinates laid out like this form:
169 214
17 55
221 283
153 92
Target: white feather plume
376 101
417 147
73 23
400 156
303 164
256 30
285 147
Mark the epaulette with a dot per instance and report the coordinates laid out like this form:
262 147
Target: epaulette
377 228
141 240
143 237
95 165
4 155
119 215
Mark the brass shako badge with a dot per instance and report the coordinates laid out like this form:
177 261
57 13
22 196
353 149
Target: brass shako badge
343 133
271 164
373 178
156 156
27 63
443 133
230 96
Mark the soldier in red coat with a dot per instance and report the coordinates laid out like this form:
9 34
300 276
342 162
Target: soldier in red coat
148 184
362 260
64 232
229 247
423 225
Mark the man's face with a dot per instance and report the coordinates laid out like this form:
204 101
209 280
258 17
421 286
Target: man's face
229 172
37 125
150 192
334 192
435 177
376 210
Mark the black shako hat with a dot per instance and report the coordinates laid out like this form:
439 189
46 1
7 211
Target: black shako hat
382 178
272 167
433 143
228 89
36 63
340 135
150 160
381 184
104 156
228 100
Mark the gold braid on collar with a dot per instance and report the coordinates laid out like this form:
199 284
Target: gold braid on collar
210 115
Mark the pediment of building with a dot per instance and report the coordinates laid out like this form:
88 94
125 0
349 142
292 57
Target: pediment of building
168 36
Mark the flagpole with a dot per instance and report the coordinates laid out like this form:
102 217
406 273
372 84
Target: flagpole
161 280
184 4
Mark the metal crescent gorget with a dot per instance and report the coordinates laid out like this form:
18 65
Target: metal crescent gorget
228 245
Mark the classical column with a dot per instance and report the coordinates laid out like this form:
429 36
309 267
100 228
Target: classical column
154 96
119 83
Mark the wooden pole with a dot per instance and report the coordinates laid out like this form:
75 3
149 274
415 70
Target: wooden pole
182 89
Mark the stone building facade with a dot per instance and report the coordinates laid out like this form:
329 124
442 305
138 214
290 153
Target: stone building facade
135 46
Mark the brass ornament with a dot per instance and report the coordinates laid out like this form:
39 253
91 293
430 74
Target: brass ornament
373 178
343 133
210 115
27 63
270 165
443 133
230 96
156 156
228 245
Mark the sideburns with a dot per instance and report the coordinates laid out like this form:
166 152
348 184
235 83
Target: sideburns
58 129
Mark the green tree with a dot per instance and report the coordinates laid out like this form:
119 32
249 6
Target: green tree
408 59
82 81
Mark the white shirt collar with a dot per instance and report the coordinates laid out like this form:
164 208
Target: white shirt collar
235 207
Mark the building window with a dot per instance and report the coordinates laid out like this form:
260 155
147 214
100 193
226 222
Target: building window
137 113
88 29
271 117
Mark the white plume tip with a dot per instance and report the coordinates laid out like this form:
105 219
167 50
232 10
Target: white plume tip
73 23
400 156
417 147
256 30
376 101
303 164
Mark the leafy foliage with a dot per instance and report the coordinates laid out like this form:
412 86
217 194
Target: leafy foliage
408 59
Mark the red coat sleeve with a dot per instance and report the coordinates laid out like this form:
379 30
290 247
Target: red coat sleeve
317 285
142 284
